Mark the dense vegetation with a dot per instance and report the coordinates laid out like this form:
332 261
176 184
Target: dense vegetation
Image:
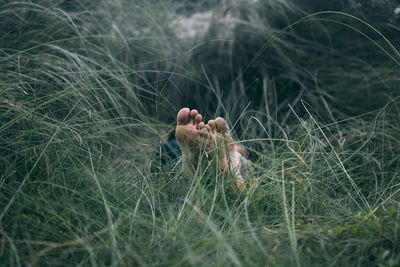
89 89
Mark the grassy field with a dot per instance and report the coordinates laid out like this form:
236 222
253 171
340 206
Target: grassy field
90 89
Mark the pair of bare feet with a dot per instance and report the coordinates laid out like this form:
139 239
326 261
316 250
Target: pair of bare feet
195 137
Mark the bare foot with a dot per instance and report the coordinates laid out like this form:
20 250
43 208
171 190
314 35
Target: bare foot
188 136
231 155
193 135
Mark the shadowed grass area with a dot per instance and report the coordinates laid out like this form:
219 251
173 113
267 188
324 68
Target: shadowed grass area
89 90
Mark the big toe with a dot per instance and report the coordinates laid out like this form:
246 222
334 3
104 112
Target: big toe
183 116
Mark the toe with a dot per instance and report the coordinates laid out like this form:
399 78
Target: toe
198 119
212 125
193 115
203 130
201 125
220 124
183 116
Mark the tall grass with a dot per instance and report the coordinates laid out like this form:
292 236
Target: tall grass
88 91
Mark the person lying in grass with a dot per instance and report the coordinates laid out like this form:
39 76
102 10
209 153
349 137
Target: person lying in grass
201 142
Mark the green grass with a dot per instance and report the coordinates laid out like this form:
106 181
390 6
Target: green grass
88 92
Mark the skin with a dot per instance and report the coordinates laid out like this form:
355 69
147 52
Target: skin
193 135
